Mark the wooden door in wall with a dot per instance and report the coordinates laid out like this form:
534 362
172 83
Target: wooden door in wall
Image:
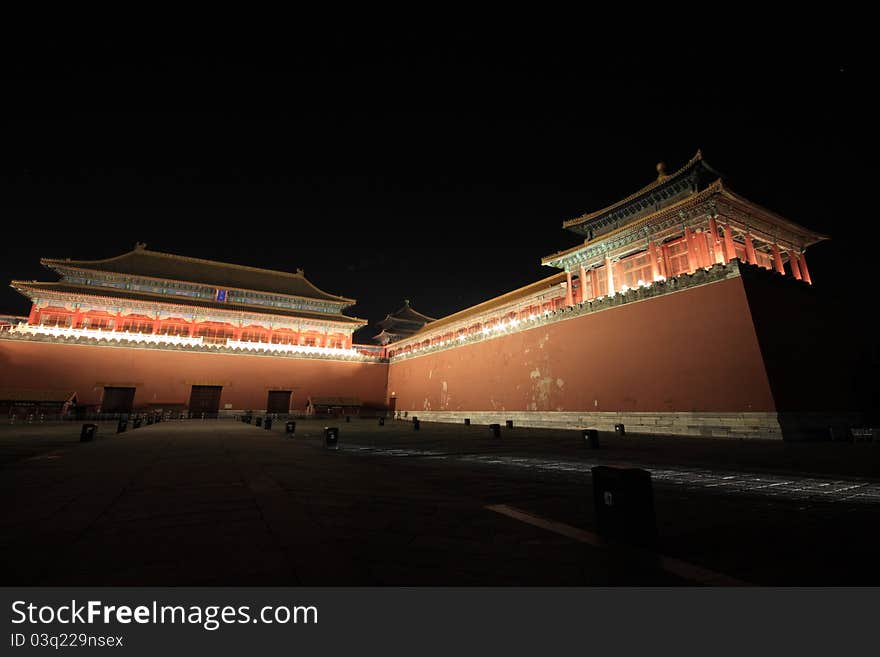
278 401
117 400
205 399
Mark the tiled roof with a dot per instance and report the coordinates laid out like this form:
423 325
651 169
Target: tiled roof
661 179
109 294
509 297
168 266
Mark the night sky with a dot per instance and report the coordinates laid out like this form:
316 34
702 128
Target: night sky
433 168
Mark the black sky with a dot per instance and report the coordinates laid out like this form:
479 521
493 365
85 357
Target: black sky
437 168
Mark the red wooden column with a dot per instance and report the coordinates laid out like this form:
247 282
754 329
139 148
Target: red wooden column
269 332
236 332
655 266
665 267
717 251
805 273
609 276
118 326
594 281
194 329
157 324
693 258
34 314
582 277
777 260
750 250
701 241
569 298
76 319
793 263
729 248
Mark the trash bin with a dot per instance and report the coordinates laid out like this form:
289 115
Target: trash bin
619 429
258 421
331 437
416 424
87 434
467 422
496 430
591 437
381 421
121 426
623 500
509 424
136 423
290 428
268 423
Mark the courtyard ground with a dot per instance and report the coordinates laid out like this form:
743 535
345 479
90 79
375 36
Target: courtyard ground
219 502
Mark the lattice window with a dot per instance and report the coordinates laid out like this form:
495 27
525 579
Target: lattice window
181 330
677 255
634 269
54 319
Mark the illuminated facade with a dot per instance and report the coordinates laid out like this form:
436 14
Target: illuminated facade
675 226
686 310
147 297
188 333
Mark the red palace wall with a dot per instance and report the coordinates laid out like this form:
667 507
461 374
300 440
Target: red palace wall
166 376
689 351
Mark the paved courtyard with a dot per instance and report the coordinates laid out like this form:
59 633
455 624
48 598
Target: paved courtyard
219 502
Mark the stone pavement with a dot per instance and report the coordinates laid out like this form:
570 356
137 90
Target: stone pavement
224 503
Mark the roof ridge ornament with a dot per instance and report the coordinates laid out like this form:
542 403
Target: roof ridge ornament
140 246
661 171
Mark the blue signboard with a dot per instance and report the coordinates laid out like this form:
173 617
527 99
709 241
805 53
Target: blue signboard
221 295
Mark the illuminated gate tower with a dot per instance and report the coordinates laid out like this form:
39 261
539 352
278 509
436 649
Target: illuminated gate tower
676 225
151 297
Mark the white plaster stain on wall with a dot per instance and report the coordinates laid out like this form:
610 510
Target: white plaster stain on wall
543 340
444 397
560 383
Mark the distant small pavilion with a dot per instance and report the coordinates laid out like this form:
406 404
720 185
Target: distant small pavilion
400 324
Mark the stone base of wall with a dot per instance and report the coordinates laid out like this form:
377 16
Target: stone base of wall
779 426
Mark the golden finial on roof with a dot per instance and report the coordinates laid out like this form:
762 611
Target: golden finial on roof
661 171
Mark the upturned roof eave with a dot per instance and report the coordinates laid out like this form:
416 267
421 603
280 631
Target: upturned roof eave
21 286
662 180
91 265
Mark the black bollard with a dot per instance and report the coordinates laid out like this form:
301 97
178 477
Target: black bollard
467 422
509 424
136 423
348 418
416 423
290 428
623 500
87 434
619 429
496 430
268 423
258 421
149 420
381 421
121 426
592 437
331 437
